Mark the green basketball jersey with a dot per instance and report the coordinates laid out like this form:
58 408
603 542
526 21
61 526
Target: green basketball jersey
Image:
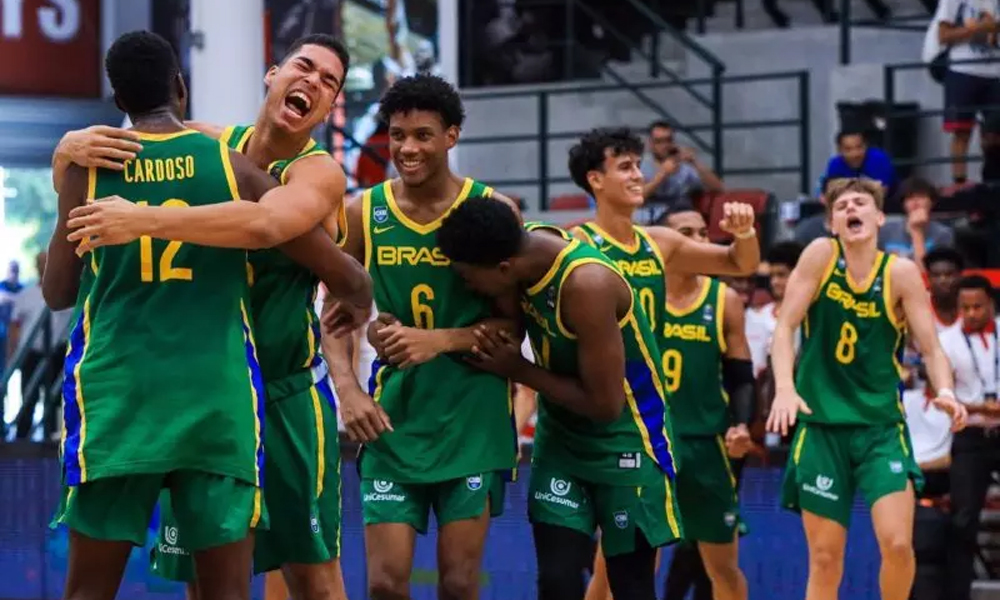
283 299
599 452
161 369
451 420
849 367
693 347
642 265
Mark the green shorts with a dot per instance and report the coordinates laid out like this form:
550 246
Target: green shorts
828 463
706 490
301 488
213 510
410 503
557 498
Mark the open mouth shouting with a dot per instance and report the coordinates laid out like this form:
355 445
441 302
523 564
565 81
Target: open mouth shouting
855 224
298 103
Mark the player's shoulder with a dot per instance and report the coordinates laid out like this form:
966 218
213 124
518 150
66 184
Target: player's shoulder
904 270
209 129
817 255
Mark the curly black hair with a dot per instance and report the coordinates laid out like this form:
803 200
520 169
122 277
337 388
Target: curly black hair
588 154
326 41
976 282
481 231
142 68
785 253
423 92
944 254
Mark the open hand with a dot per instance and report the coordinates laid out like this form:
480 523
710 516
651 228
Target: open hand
785 411
737 218
100 146
955 409
109 221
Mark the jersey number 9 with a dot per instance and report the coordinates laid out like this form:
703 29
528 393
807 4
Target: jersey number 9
167 269
672 365
845 345
423 314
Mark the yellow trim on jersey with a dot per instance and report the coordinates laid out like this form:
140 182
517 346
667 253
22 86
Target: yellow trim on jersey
340 503
366 229
890 306
869 279
725 461
589 241
424 228
488 191
91 196
683 312
653 246
80 404
588 260
629 249
241 145
342 224
303 154
310 336
902 439
255 517
671 516
163 137
226 134
257 425
556 264
720 317
320 440
377 394
227 167
797 454
828 271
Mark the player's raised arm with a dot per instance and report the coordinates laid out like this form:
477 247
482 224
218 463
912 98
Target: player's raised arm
737 375
590 303
62 269
96 146
314 189
683 255
908 287
803 284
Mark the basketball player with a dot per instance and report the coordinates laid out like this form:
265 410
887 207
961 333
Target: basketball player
149 311
603 453
854 303
438 433
647 255
304 537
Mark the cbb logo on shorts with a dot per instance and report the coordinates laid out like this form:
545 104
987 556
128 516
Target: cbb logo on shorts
474 482
170 535
382 486
560 487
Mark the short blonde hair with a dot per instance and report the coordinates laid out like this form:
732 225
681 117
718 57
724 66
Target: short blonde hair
835 188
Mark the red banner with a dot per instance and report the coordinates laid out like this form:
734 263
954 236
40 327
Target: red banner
50 47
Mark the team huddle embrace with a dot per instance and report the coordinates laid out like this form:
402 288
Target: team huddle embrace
639 359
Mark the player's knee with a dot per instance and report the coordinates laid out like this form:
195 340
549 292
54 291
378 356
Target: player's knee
897 549
826 563
459 583
383 584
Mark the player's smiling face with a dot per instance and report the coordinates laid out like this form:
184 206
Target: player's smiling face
619 181
854 217
492 282
418 144
301 91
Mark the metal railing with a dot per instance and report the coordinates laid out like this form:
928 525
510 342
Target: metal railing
543 133
41 327
917 23
739 19
573 53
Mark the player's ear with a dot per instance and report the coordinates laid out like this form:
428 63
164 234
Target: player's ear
270 75
451 136
595 179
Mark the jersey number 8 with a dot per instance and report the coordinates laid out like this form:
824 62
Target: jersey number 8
167 269
845 345
423 314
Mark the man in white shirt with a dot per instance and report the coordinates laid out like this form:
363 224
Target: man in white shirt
969 29
972 350
29 306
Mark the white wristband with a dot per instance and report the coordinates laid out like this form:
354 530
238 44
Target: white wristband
752 232
946 393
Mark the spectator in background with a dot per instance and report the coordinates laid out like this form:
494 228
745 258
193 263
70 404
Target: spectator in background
975 454
969 29
9 288
855 158
913 235
45 346
944 267
781 259
674 174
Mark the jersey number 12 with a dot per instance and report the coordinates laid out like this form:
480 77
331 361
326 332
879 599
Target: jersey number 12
167 269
